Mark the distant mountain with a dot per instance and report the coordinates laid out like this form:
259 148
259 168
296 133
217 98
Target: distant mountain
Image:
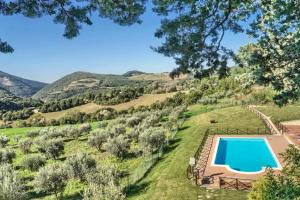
133 73
82 82
19 86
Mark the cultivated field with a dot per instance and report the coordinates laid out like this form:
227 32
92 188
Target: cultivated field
144 100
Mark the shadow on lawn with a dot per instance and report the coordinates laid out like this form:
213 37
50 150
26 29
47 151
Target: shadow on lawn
136 189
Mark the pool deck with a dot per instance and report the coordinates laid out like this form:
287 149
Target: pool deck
277 143
292 131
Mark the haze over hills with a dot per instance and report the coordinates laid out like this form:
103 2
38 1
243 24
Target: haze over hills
19 86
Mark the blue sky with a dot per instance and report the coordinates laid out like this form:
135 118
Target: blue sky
42 53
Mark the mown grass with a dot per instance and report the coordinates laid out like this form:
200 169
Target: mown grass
167 180
280 114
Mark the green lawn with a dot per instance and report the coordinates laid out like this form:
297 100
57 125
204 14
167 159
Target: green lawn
167 180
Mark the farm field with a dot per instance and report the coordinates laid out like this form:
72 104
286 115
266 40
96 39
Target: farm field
167 180
144 100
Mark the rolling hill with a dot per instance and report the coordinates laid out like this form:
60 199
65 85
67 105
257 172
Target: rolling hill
81 82
19 86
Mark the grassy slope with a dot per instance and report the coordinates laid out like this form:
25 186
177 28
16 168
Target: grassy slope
147 99
167 180
286 113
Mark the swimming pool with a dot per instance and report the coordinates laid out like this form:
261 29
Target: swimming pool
244 155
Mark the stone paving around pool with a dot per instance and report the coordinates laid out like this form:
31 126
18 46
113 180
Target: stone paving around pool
278 144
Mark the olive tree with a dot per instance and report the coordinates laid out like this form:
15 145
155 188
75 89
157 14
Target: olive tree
85 128
80 165
52 179
10 184
151 139
98 138
117 146
33 162
3 141
25 145
52 148
103 184
7 156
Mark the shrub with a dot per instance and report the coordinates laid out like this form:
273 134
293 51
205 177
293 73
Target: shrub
152 120
80 165
3 141
25 145
116 130
73 132
102 124
133 134
151 139
85 128
52 179
7 156
103 184
51 148
117 146
97 139
33 162
10 187
51 132
33 134
133 121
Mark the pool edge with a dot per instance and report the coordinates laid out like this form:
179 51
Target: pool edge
216 146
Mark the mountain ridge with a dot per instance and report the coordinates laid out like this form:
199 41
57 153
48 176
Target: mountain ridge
18 86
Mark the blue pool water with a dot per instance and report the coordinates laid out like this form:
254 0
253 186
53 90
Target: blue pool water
244 154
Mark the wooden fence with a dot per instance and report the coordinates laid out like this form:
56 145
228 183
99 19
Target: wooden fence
236 131
265 119
191 170
197 173
235 183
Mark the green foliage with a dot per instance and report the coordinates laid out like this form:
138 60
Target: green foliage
25 145
80 165
263 96
63 104
10 185
85 128
103 184
282 186
37 120
33 133
152 139
33 162
15 115
52 148
98 138
3 141
52 179
79 87
7 156
117 146
193 32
